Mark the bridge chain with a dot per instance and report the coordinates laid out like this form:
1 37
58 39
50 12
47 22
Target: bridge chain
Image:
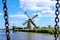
6 19
56 27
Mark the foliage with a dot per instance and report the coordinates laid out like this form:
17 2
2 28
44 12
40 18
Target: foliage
48 30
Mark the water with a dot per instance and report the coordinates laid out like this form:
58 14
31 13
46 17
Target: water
26 36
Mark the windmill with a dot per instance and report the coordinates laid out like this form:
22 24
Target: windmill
29 22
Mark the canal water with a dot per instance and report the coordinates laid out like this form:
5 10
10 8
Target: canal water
26 36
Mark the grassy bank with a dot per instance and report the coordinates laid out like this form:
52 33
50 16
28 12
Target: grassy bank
48 30
36 30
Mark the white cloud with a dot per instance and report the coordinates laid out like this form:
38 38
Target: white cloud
18 15
1 14
36 4
43 5
14 23
46 13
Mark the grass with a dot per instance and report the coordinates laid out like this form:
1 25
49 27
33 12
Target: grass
37 30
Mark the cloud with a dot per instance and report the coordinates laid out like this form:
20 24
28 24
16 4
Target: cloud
45 6
46 13
1 14
14 23
18 15
36 4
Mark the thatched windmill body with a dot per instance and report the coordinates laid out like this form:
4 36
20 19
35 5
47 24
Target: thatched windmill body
29 22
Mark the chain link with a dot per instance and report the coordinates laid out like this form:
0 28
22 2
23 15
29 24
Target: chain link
56 27
6 19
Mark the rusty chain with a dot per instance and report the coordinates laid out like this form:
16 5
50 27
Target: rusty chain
6 19
56 27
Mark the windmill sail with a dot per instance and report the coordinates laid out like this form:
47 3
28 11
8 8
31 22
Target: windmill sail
33 23
34 16
30 23
25 22
27 15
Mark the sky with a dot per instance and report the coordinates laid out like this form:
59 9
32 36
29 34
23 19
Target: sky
16 8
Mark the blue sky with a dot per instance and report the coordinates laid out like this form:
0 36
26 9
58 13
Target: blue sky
16 8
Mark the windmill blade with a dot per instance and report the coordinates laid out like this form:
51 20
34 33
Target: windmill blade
35 16
33 23
25 22
27 15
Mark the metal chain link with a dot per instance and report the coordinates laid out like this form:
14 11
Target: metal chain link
6 19
56 27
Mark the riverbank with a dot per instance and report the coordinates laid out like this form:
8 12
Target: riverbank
36 30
